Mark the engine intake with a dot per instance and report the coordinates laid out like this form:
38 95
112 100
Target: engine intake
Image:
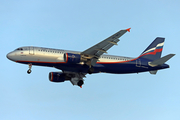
72 58
58 77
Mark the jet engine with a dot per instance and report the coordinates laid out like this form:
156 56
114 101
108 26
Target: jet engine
72 58
76 79
58 77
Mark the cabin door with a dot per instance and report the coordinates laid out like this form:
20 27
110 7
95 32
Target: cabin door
31 50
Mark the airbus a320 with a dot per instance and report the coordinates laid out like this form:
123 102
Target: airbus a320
75 65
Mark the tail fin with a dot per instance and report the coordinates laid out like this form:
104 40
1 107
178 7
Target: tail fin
153 51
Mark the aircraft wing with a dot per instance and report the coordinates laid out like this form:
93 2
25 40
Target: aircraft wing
94 52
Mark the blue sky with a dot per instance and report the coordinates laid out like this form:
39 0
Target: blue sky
77 25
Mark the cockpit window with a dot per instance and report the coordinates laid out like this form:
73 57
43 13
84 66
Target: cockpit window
19 49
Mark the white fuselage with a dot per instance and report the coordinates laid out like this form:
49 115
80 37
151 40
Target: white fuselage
48 55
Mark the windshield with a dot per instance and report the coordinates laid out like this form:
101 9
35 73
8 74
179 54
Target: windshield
19 49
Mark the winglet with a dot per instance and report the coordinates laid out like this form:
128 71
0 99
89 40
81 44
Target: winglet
128 29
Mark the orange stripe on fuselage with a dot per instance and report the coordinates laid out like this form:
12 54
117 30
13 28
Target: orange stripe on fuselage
39 61
115 62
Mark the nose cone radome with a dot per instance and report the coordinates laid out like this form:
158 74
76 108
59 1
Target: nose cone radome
10 56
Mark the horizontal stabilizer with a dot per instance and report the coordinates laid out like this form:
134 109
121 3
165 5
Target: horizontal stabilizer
153 72
161 61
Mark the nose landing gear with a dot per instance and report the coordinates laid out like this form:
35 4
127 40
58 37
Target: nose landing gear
29 71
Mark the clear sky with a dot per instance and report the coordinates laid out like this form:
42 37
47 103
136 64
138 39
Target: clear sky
77 25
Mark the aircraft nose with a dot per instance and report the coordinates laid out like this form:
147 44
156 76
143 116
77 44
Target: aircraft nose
9 56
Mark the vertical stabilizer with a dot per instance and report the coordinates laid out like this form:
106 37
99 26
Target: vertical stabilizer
153 51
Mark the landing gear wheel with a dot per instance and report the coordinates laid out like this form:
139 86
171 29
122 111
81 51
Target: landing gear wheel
91 70
29 71
80 83
30 66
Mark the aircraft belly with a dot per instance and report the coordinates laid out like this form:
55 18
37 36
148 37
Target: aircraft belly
118 68
72 67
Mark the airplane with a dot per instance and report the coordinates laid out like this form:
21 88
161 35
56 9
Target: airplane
75 65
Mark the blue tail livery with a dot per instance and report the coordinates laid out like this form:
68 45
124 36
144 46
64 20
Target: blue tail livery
154 50
75 65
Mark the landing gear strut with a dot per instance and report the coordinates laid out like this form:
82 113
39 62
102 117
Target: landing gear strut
29 71
91 70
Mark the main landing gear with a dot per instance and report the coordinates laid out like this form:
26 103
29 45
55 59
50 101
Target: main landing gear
91 70
80 83
29 71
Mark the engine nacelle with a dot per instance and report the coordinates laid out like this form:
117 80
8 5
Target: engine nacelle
72 58
58 77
